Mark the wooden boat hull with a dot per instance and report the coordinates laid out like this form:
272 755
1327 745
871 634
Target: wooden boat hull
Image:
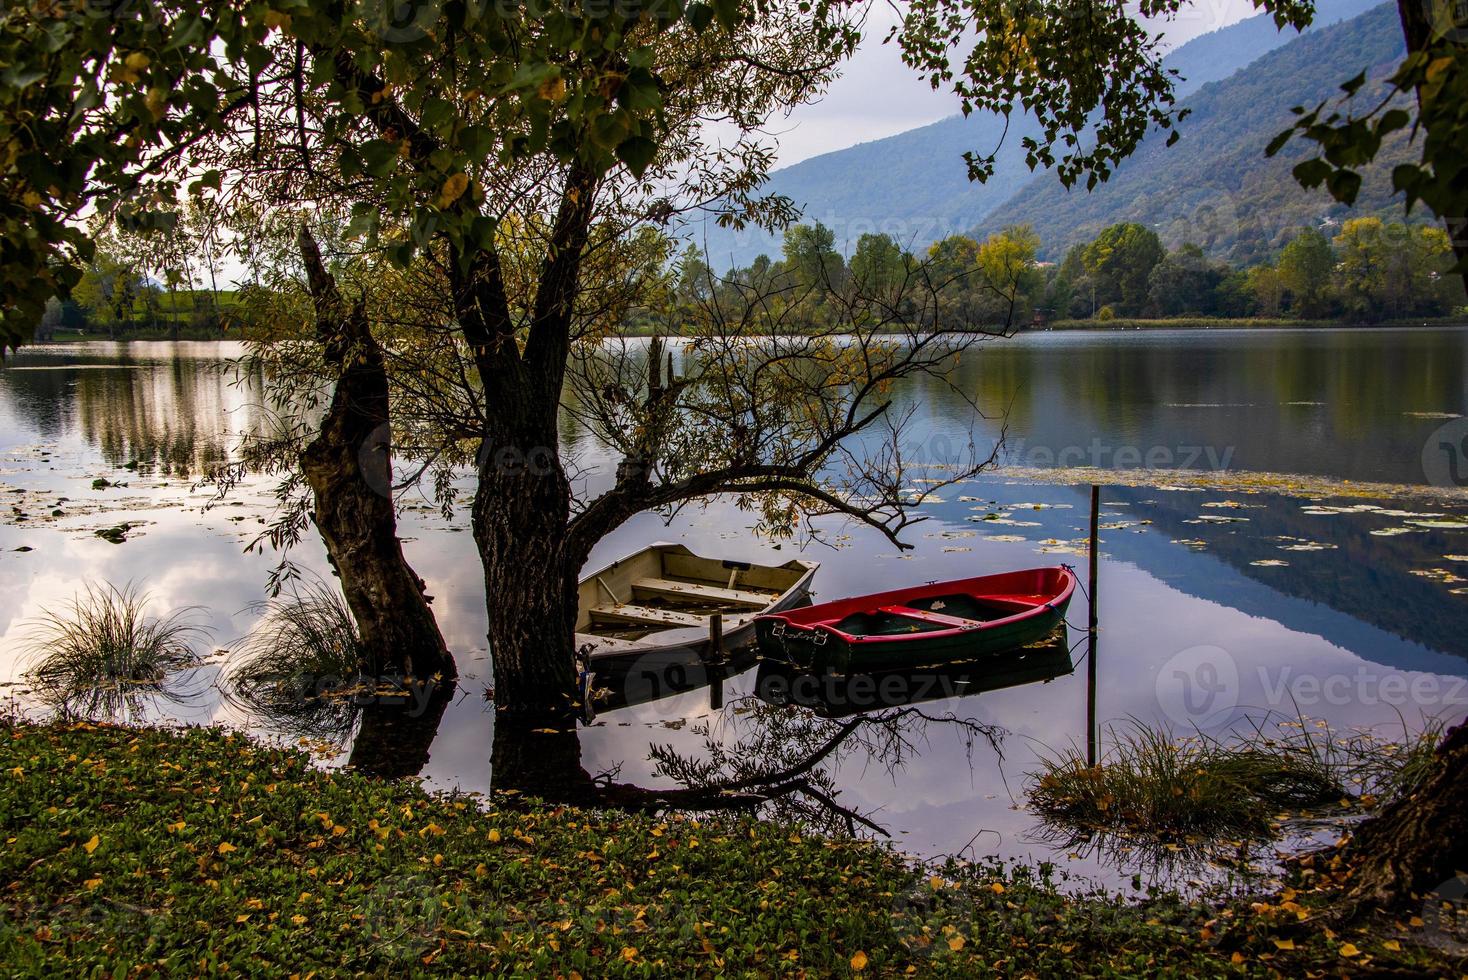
660 601
842 695
923 626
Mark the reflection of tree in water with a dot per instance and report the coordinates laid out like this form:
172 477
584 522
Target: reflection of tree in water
177 414
780 764
786 757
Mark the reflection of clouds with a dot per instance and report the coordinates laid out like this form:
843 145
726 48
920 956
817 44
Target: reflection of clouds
936 802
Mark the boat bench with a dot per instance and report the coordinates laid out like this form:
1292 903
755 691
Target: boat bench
690 590
938 619
647 616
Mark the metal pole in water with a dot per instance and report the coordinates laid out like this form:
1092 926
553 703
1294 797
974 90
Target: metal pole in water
1092 734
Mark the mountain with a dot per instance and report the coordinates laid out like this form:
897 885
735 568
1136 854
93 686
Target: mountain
1216 188
915 187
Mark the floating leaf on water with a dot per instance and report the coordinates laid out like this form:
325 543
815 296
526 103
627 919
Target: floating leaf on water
1008 538
1408 513
1194 543
1230 504
1446 524
1308 546
1432 415
1005 521
1439 575
1270 563
1391 532
957 548
1455 557
1216 519
1040 506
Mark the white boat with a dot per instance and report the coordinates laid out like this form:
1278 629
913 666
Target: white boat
662 599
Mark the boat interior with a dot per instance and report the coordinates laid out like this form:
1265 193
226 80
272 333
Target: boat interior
668 587
929 615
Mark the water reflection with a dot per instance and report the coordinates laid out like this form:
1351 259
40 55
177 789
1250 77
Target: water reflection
1333 402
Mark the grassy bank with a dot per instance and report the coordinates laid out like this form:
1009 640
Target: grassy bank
147 851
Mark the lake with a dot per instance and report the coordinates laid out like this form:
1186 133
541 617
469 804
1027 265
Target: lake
1307 565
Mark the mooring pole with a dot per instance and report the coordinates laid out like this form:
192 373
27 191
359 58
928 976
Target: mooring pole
1092 733
714 663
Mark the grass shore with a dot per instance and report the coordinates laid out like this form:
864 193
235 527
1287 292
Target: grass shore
135 851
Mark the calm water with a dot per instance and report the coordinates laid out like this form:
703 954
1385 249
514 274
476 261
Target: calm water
1216 603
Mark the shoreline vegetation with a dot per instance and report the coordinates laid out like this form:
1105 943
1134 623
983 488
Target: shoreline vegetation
1095 326
199 850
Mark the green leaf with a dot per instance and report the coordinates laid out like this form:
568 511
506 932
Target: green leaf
1312 173
637 152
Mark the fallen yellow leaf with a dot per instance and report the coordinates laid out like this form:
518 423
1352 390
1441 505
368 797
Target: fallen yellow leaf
226 847
955 943
1348 949
859 961
629 953
91 845
1285 944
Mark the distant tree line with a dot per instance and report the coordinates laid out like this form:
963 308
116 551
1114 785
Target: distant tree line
1364 270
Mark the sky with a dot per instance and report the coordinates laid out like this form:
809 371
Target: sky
877 95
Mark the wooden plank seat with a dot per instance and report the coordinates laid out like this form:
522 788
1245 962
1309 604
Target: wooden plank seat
712 593
624 612
937 619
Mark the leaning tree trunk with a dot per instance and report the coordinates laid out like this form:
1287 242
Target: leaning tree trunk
1419 842
350 472
521 509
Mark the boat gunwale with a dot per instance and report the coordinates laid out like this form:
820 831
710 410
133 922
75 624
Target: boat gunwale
1050 605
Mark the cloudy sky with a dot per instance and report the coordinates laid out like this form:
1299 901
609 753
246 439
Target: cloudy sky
877 95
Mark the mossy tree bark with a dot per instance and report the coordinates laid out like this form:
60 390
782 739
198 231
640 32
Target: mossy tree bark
349 468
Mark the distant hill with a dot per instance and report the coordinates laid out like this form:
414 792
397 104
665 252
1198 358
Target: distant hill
1216 188
915 185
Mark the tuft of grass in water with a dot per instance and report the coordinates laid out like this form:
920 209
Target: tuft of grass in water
1153 784
301 665
104 655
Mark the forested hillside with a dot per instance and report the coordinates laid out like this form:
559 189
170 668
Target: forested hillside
1216 188
914 186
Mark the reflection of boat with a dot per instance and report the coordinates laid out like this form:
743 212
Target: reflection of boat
664 597
921 626
628 680
838 695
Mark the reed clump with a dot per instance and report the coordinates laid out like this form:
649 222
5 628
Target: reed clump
104 654
1152 783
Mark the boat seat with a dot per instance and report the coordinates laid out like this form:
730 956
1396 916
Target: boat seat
647 616
938 619
714 593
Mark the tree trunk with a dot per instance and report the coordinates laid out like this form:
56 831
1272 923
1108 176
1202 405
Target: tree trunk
1419 31
1419 842
350 472
521 509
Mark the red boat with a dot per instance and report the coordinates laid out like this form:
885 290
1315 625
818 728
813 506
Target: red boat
922 626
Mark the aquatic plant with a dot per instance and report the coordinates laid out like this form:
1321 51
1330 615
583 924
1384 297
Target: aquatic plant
104 655
300 667
1153 784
